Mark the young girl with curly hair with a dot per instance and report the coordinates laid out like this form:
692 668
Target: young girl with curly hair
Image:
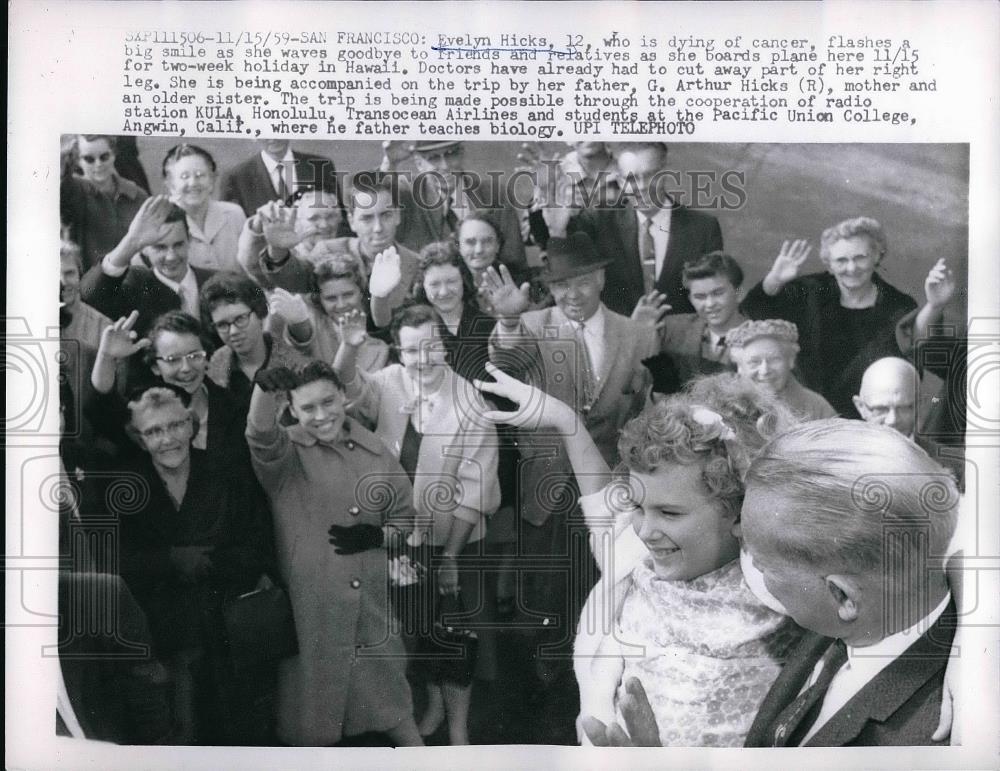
672 608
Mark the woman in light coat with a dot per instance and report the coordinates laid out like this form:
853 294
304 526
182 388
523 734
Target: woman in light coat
349 676
430 418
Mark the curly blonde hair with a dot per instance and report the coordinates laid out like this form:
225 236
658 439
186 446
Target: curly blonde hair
720 421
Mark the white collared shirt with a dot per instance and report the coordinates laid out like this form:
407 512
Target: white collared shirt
289 170
420 405
189 302
593 337
864 664
660 232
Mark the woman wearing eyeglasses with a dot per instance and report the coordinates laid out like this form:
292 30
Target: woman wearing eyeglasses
236 309
195 539
175 352
96 204
214 226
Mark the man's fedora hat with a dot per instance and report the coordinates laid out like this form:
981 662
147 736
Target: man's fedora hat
570 257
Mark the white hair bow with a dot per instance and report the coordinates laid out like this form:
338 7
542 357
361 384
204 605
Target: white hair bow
709 418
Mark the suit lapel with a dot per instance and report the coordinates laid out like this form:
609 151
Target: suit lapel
629 229
213 222
695 334
786 688
264 181
892 687
201 275
679 240
432 221
305 171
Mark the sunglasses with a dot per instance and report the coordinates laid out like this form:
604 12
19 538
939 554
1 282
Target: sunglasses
103 158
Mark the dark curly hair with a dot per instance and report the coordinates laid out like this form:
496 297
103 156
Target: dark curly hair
317 370
230 288
413 315
712 264
439 253
179 323
340 265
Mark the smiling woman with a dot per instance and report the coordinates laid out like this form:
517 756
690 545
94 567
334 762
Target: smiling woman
189 175
196 539
846 317
349 676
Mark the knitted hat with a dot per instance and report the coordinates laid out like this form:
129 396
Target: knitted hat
779 329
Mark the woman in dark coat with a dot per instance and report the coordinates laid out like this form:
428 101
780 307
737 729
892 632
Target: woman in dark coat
192 540
846 316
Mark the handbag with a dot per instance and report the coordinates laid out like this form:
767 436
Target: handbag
260 627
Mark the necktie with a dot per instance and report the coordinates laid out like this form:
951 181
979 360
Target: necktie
587 379
719 349
450 218
282 187
183 295
647 253
795 719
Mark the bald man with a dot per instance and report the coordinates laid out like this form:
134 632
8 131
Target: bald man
888 397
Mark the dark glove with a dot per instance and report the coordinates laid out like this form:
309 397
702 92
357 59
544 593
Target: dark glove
276 379
356 538
666 375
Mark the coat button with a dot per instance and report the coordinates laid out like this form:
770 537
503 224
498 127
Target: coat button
350 444
354 511
355 584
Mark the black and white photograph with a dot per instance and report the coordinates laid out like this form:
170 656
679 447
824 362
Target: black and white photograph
559 439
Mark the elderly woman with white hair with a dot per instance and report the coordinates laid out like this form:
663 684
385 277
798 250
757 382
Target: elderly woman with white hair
192 539
846 315
764 352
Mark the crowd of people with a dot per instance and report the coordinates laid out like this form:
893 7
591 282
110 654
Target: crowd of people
661 508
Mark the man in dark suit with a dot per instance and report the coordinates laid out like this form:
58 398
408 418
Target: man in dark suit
851 568
838 531
652 237
116 288
275 174
442 193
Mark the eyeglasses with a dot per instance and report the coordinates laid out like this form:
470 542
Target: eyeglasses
159 432
881 410
195 357
103 158
198 176
240 322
